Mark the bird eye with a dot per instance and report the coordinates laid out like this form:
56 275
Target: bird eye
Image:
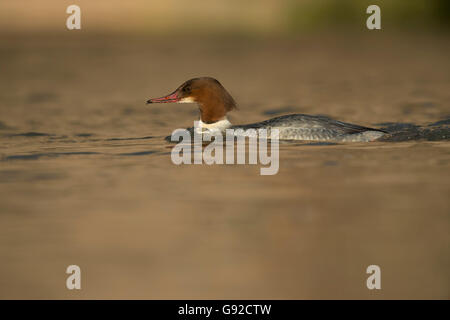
187 89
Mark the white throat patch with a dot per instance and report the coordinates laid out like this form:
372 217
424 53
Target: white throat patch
219 126
187 100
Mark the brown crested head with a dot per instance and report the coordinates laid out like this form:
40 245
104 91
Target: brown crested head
213 100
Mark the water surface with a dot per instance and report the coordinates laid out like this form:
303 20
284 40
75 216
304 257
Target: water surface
86 176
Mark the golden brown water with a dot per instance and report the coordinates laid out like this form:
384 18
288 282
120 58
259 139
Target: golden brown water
86 176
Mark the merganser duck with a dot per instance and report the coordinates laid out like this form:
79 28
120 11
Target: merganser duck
215 102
